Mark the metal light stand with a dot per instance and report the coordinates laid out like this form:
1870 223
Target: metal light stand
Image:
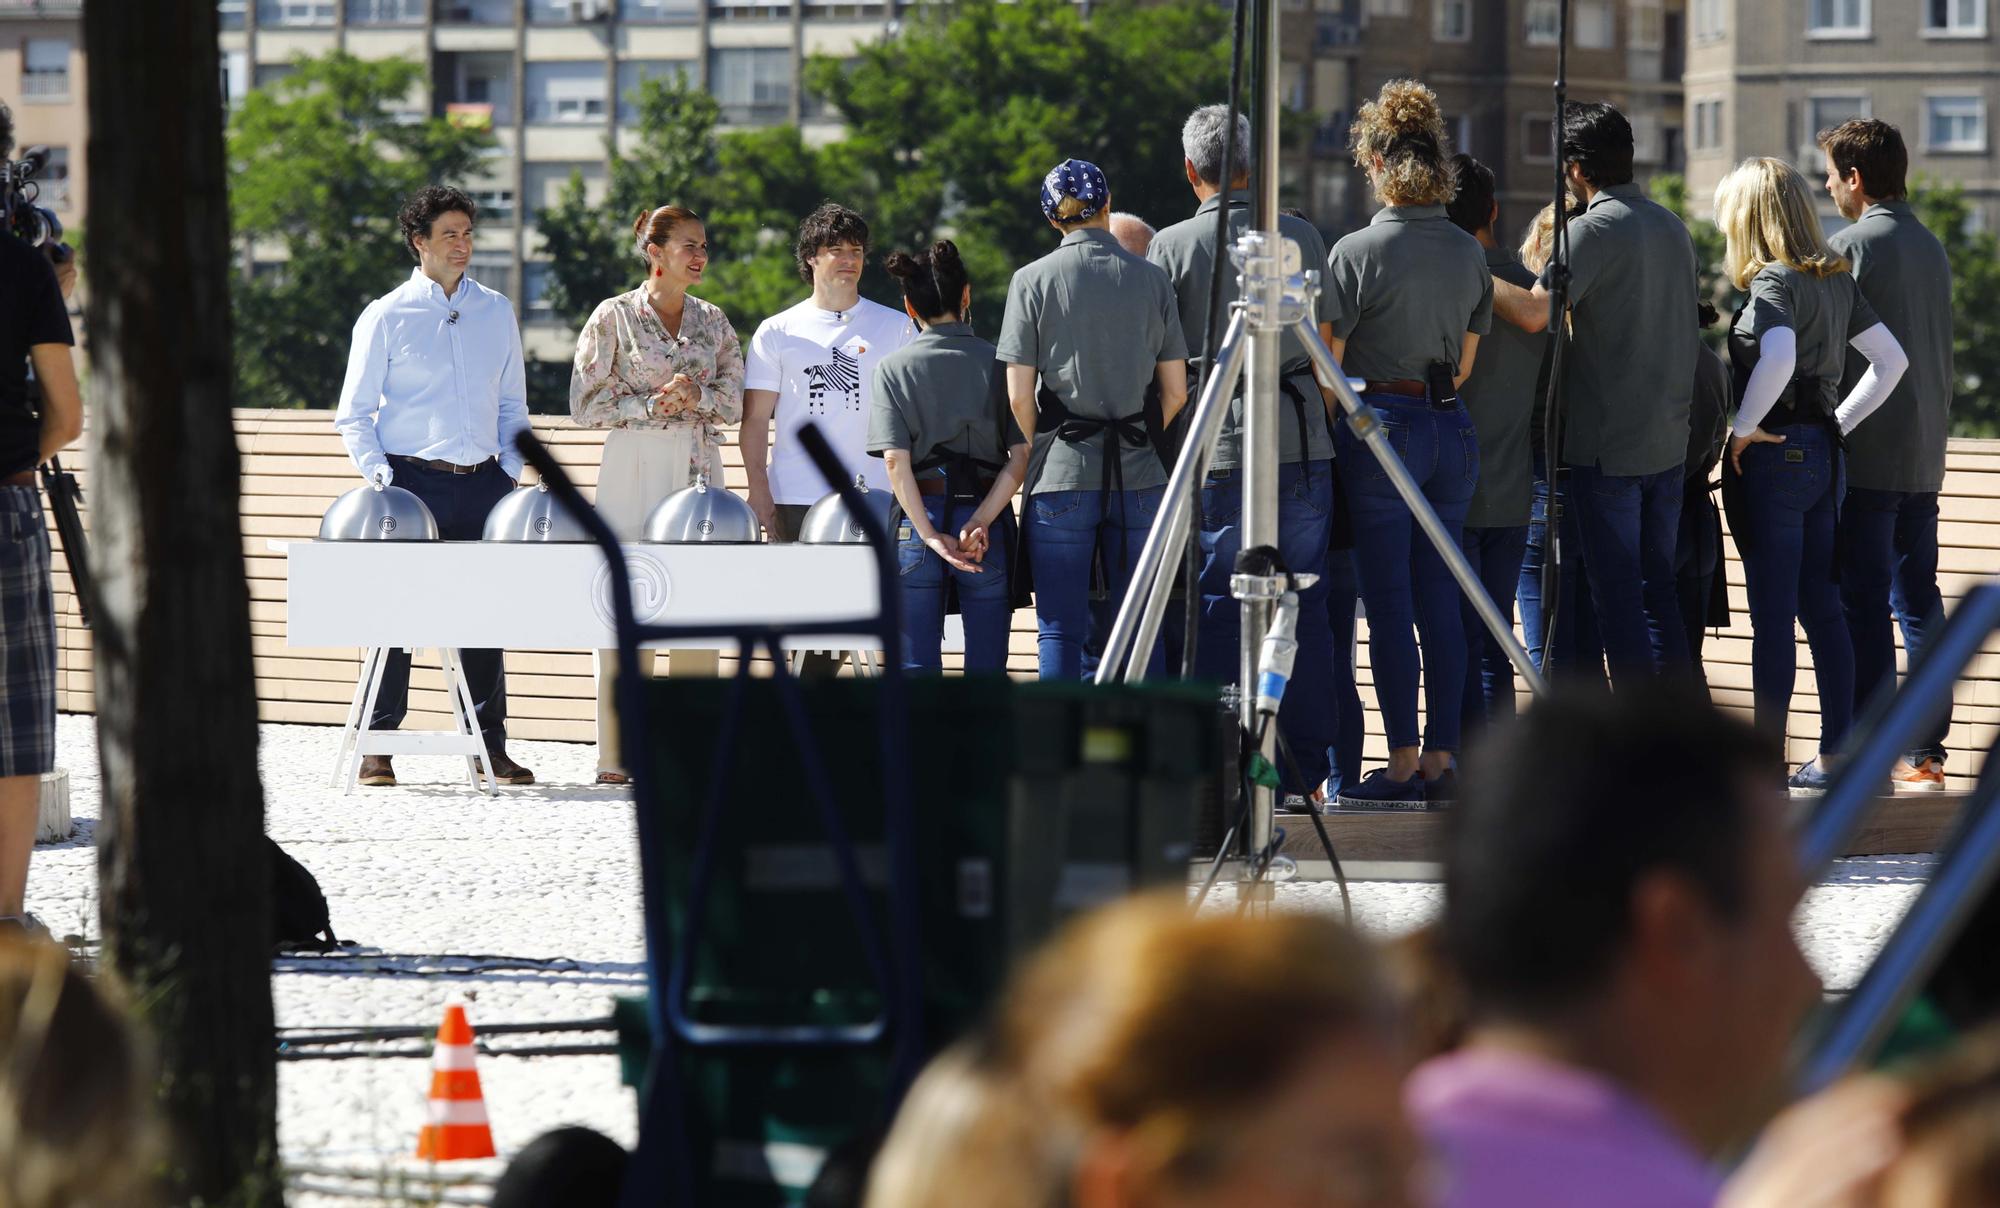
1552 542
1275 299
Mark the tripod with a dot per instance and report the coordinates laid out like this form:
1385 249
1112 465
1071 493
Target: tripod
1277 295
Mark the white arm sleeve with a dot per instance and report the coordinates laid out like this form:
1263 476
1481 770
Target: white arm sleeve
1886 363
1777 356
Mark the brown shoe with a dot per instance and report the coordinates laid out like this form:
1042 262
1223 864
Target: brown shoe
506 771
376 772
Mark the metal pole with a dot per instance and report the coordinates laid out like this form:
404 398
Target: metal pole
1264 290
1552 528
1367 425
1152 577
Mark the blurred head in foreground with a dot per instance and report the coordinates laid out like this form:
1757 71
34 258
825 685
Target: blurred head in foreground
76 1119
1150 1057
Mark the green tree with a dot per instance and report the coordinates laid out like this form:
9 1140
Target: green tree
319 163
1975 306
1670 190
953 123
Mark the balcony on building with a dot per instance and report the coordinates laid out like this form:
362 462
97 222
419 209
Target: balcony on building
229 14
475 88
385 12
566 93
45 70
297 14
752 84
659 12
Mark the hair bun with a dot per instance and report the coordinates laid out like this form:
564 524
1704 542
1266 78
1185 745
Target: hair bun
1411 108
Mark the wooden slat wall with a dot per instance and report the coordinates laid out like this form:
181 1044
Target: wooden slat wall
294 467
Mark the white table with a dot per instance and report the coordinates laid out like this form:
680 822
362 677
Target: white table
452 595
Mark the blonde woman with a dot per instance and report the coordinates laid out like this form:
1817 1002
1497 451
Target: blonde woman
663 371
1788 346
1411 298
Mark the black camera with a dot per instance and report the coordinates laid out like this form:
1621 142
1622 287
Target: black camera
20 215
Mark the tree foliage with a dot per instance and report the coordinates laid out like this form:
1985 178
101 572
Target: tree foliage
319 163
1975 306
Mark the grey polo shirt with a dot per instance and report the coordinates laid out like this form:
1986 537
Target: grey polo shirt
1906 277
1628 370
1824 313
1404 291
1500 396
1187 251
944 391
1095 321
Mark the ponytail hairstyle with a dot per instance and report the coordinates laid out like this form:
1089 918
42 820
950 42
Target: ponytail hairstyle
657 226
1404 128
933 281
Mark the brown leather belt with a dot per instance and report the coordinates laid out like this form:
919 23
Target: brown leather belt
25 478
443 467
1407 387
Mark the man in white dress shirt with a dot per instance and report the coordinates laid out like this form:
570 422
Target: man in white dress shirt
434 396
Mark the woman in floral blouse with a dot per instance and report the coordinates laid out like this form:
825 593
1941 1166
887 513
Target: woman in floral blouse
663 371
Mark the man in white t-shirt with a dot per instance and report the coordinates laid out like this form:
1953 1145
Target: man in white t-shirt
816 363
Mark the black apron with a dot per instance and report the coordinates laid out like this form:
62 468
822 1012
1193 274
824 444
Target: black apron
1057 422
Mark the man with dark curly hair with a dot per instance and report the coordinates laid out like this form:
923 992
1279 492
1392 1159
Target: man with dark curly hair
435 394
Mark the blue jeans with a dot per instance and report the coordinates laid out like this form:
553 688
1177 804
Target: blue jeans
1888 556
1305 514
1065 531
1495 555
982 598
1630 525
1578 647
1350 730
459 503
1791 494
1403 580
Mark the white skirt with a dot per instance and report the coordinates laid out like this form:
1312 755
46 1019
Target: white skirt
642 466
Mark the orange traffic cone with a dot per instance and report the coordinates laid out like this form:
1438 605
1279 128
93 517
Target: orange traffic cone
457 1127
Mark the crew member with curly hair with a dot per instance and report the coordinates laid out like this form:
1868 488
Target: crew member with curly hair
1411 297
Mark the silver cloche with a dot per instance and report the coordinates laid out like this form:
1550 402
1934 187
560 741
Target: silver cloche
531 513
828 523
378 513
702 514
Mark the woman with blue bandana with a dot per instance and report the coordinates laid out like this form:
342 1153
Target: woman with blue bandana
1089 328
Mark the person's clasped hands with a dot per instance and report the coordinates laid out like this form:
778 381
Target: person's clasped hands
677 397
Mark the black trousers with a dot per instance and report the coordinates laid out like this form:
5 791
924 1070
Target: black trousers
459 503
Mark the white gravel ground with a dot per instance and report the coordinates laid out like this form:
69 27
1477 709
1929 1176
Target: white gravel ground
549 875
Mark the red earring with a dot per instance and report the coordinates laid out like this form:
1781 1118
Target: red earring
659 272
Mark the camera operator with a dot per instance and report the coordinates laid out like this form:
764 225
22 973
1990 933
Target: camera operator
34 327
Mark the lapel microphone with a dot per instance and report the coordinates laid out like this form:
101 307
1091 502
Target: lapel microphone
452 318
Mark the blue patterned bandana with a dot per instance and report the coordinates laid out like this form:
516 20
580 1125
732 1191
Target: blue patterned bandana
1076 178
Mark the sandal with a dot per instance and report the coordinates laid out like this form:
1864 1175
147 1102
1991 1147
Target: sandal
613 778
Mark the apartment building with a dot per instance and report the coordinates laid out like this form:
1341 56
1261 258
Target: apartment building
553 79
1764 76
42 81
1492 63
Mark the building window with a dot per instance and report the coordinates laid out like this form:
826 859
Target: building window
568 12
1837 18
1596 25
1710 23
496 206
1707 132
476 12
752 84
1388 8
1647 146
1824 113
535 290
477 88
1451 20
749 10
296 12
1955 123
634 72
1648 30
1537 141
229 14
385 12
1544 22
45 69
658 12
565 92
1955 18
495 271
265 75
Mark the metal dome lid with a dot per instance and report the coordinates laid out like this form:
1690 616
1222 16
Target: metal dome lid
531 513
828 522
702 514
377 513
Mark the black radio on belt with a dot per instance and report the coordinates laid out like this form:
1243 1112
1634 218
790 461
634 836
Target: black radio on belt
1444 392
